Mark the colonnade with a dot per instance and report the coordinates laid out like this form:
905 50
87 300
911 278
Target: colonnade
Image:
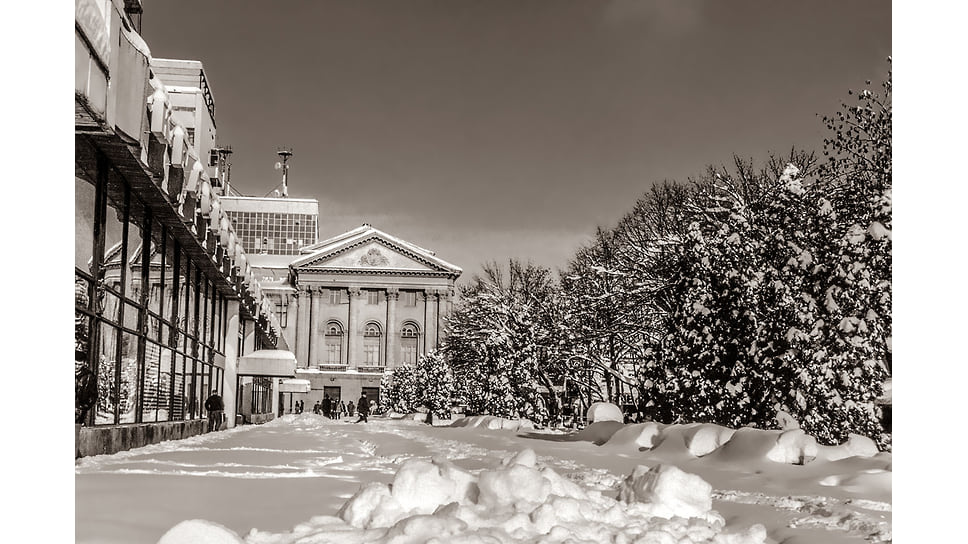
312 314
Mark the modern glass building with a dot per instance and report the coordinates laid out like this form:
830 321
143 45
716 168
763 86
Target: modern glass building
273 225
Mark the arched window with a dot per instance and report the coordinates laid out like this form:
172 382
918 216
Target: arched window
334 343
408 343
372 339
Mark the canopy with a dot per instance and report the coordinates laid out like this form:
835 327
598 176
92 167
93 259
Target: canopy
268 362
294 386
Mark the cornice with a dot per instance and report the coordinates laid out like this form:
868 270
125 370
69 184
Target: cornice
389 245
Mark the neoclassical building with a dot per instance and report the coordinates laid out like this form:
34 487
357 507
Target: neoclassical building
357 305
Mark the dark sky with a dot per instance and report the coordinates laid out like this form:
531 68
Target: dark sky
492 129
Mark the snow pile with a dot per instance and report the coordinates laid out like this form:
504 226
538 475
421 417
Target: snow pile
200 531
518 501
791 446
493 423
604 411
855 446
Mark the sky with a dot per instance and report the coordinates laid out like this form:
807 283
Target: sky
491 130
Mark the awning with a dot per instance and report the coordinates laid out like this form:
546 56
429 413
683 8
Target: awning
268 362
294 386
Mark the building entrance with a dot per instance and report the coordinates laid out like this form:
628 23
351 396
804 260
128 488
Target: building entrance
333 393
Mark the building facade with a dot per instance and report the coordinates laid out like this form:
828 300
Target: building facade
363 303
166 307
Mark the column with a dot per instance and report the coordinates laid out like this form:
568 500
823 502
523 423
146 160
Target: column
230 377
353 327
303 332
443 310
430 319
392 338
315 350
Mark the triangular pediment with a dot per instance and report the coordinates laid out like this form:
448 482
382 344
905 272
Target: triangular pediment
373 254
367 249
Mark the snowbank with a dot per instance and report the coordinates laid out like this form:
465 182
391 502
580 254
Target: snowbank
200 531
791 446
517 501
604 411
493 423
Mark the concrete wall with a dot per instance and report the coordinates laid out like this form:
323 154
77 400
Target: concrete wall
115 438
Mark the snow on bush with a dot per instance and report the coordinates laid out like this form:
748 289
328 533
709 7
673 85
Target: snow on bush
707 438
855 446
200 531
517 501
493 423
604 411
640 435
793 446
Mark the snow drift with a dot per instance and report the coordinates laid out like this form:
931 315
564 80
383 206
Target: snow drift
518 501
493 423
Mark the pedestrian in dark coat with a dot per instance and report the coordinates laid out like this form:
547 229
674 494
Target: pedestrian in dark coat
215 408
327 406
363 406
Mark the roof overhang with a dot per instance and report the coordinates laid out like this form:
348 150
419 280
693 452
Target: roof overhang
268 362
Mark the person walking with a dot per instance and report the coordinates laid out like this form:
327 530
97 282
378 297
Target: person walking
327 406
342 409
363 406
350 409
215 409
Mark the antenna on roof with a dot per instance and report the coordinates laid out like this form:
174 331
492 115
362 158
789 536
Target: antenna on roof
284 153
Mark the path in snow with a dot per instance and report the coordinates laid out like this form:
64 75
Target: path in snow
273 477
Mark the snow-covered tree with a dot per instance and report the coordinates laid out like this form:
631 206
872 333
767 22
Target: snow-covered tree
398 390
435 384
498 341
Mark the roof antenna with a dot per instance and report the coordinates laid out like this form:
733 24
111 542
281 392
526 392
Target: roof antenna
284 153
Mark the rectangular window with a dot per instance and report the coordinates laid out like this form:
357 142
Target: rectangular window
128 397
282 313
409 346
409 298
372 296
180 400
371 352
334 296
333 351
154 354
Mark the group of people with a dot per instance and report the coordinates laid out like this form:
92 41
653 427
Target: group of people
334 409
329 407
337 409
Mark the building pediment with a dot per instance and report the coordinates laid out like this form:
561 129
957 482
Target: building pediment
372 251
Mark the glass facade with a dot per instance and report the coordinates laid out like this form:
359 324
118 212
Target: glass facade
147 323
274 233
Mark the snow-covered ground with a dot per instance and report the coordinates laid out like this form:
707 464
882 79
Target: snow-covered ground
306 479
